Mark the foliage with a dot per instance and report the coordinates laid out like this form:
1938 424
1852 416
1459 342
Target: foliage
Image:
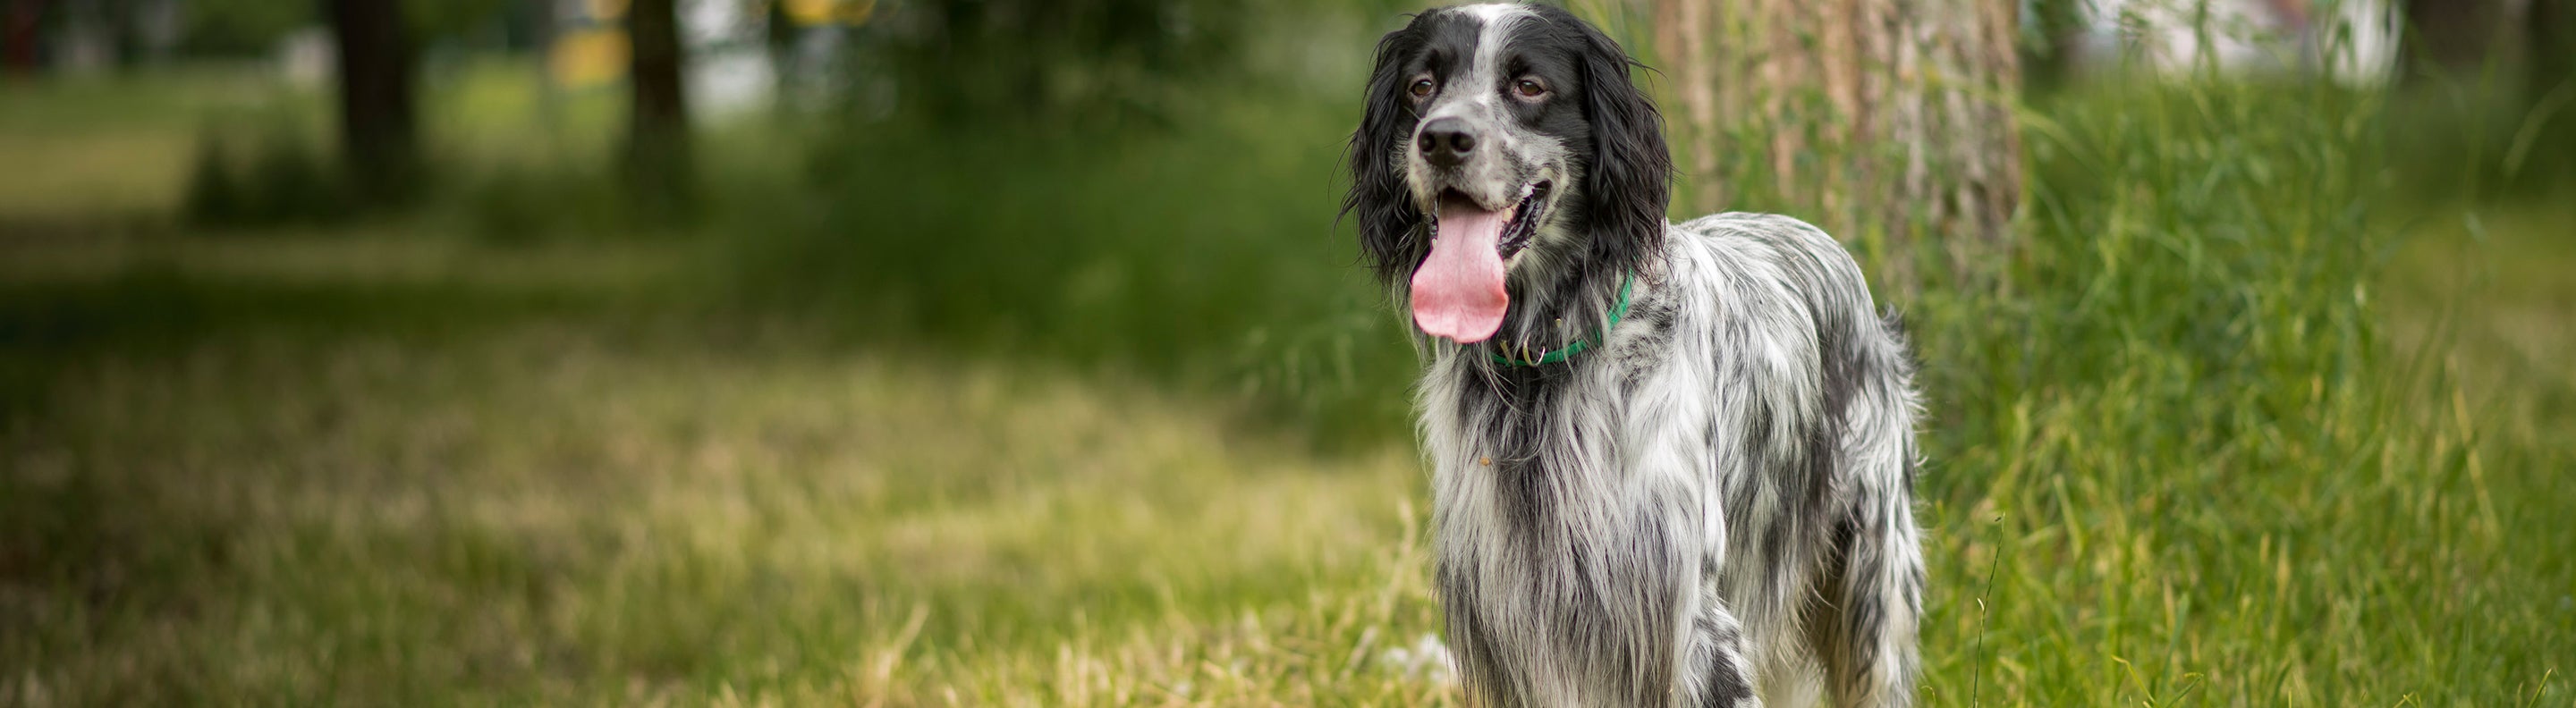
1042 62
1073 67
1200 255
252 28
2472 138
434 20
243 28
522 206
278 178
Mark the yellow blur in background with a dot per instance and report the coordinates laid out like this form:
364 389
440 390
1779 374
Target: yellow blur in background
595 54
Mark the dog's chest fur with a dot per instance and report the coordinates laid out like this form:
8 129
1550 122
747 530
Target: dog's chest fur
1551 561
1598 519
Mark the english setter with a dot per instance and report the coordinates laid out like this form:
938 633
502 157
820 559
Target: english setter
1672 464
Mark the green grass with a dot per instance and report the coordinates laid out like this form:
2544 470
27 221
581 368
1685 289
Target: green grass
2192 464
549 513
111 148
904 427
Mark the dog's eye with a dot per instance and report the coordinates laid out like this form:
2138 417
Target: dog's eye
1528 88
1421 88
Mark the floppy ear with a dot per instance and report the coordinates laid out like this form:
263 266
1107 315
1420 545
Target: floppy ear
1630 182
1388 221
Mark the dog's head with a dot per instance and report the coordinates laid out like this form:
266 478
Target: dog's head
1503 145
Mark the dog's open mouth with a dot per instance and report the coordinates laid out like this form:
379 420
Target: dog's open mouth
1520 222
1458 291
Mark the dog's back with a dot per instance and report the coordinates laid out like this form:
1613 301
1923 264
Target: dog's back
1822 558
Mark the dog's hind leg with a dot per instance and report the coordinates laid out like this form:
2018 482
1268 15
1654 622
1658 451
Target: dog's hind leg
1861 621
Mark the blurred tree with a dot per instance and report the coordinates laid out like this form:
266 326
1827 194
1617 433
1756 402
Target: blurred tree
2452 35
2551 38
2049 43
21 25
1890 117
458 19
379 126
240 28
778 36
658 159
102 31
1057 62
2549 94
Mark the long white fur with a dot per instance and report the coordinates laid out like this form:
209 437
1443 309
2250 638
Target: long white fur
1678 446
1713 507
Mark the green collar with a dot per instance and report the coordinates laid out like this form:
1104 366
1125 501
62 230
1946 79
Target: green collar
1559 356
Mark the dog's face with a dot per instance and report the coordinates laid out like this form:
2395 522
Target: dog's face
1517 131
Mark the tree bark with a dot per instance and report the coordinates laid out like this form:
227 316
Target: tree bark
379 129
658 158
1873 118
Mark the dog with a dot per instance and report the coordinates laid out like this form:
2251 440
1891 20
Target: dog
1672 465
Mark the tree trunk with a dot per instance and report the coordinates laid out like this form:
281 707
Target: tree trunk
1873 118
658 159
21 24
379 131
779 34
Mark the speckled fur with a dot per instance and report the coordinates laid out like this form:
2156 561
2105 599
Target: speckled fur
1713 507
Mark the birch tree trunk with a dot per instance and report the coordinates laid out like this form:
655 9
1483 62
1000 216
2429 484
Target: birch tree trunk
1888 122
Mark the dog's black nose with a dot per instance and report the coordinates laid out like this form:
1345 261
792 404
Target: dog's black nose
1446 142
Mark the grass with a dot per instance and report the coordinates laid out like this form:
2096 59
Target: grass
111 148
546 514
2191 460
2240 430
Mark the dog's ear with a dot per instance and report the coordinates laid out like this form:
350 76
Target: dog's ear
1388 220
1630 182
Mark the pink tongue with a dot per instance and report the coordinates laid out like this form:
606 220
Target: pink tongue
1458 292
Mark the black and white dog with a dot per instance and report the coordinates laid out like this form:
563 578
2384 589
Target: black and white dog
1672 463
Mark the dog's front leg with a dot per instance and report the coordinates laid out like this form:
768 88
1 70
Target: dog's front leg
1710 654
1713 669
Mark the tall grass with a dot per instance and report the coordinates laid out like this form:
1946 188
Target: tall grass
2186 456
2170 431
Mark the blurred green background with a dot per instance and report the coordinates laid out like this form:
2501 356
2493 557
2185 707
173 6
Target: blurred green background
1009 352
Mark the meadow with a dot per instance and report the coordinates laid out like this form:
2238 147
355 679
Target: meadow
910 418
